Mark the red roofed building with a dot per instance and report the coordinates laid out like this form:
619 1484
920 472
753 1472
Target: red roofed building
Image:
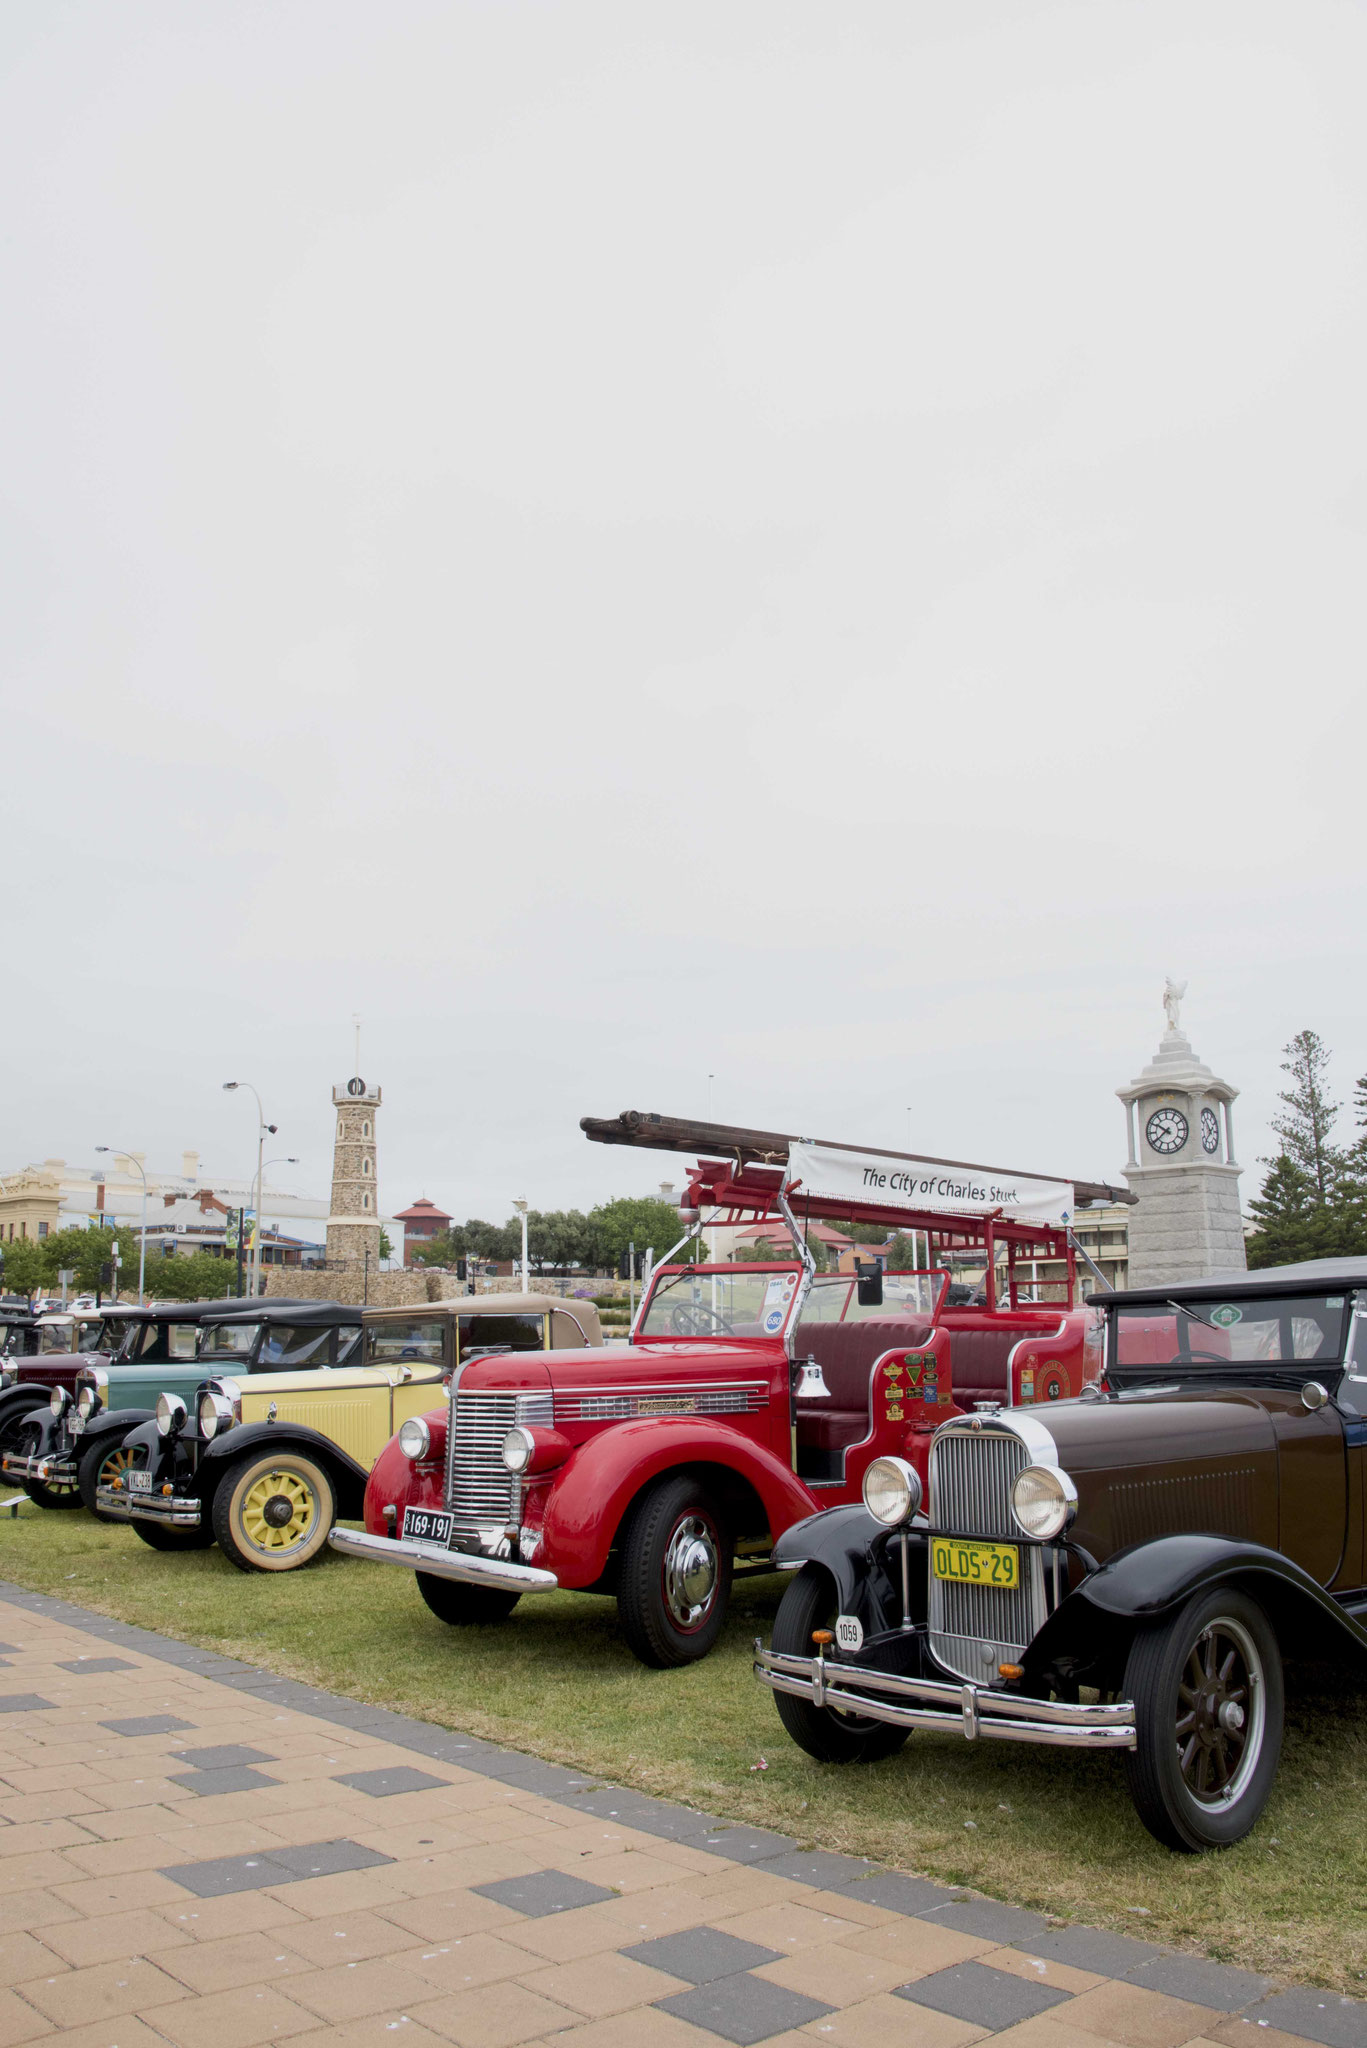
422 1222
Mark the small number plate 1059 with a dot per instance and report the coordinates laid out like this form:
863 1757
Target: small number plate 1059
427 1525
977 1564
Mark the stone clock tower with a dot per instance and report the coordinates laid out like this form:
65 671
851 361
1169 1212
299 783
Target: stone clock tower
354 1214
1181 1164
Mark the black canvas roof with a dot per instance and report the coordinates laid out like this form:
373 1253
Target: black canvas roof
1307 1276
307 1315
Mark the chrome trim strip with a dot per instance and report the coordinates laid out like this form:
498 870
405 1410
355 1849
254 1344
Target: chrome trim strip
442 1563
976 1712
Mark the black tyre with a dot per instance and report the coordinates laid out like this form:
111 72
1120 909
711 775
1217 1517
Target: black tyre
272 1511
675 1578
826 1733
1208 1701
38 1491
11 1428
96 1466
465 1606
156 1537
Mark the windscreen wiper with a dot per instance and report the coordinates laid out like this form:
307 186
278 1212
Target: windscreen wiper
1182 1310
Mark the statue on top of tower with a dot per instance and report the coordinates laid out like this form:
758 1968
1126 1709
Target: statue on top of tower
1173 992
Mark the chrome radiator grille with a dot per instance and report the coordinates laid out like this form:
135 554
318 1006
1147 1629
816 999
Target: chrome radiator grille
975 1628
484 1497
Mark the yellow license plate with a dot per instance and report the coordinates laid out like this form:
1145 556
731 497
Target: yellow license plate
979 1564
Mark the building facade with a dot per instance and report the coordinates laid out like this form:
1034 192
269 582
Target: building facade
422 1221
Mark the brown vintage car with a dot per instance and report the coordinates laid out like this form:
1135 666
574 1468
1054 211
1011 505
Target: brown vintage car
1124 1571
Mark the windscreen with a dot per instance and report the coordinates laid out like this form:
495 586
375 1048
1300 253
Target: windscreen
737 1302
227 1340
406 1338
286 1347
834 1298
501 1333
1267 1329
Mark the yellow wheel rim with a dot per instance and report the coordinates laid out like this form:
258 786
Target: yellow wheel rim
264 1520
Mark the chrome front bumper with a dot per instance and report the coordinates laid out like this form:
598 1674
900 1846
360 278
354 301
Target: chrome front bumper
470 1569
972 1711
48 1471
123 1506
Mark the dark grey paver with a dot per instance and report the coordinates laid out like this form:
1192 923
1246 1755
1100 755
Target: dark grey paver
987 1918
9 1649
219 1875
83 1665
325 1859
743 1845
743 2008
1090 1948
545 1891
23 1702
385 1784
1201 1982
147 1724
223 1756
897 1893
982 1996
700 1955
820 1867
1314 2015
208 1784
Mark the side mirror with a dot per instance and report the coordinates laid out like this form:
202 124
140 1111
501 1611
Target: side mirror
870 1283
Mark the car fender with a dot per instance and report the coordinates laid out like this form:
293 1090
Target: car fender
399 1483
17 1402
113 1423
348 1477
1146 1581
842 1541
591 1493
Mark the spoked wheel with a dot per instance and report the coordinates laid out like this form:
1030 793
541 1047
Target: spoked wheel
827 1733
462 1606
38 1490
675 1578
97 1465
272 1514
1207 1693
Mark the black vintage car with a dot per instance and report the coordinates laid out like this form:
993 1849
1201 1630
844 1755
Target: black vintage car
1123 1571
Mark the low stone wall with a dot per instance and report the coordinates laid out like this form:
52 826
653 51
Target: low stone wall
404 1287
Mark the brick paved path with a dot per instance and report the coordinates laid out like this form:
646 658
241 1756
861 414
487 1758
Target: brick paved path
197 1854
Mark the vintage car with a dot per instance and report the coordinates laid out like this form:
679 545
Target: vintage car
54 1348
751 1395
1125 1571
263 1459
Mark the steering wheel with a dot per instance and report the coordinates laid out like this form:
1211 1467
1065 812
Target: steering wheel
686 1319
1210 1357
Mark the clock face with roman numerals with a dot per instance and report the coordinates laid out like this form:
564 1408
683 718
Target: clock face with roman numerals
1210 1131
1166 1130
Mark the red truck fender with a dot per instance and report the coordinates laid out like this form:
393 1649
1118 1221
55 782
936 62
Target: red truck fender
588 1497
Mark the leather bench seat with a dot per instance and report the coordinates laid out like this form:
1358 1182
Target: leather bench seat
846 1353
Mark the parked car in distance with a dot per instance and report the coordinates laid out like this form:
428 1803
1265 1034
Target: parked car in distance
1127 1571
54 1349
264 1453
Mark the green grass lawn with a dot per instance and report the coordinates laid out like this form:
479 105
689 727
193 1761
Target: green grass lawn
1051 1829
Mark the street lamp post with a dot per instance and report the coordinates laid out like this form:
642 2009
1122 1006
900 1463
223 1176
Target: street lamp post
261 1129
521 1207
142 1234
284 1160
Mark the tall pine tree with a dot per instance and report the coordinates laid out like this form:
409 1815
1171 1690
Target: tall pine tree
1313 1202
1305 1130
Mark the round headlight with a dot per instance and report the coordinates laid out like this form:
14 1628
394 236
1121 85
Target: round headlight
170 1414
1043 1501
59 1401
518 1447
89 1400
215 1413
415 1438
892 1491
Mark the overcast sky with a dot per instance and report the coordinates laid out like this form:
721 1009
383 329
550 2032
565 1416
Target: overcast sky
820 546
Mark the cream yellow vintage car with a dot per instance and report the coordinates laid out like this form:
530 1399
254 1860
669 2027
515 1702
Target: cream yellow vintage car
265 1461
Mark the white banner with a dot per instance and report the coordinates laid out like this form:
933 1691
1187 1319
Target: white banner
898 1183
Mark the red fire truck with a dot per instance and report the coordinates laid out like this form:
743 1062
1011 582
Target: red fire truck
751 1395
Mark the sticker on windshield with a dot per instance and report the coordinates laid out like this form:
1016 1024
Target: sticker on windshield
1223 1317
778 1297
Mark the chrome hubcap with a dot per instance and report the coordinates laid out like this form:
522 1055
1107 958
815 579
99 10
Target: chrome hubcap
690 1572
